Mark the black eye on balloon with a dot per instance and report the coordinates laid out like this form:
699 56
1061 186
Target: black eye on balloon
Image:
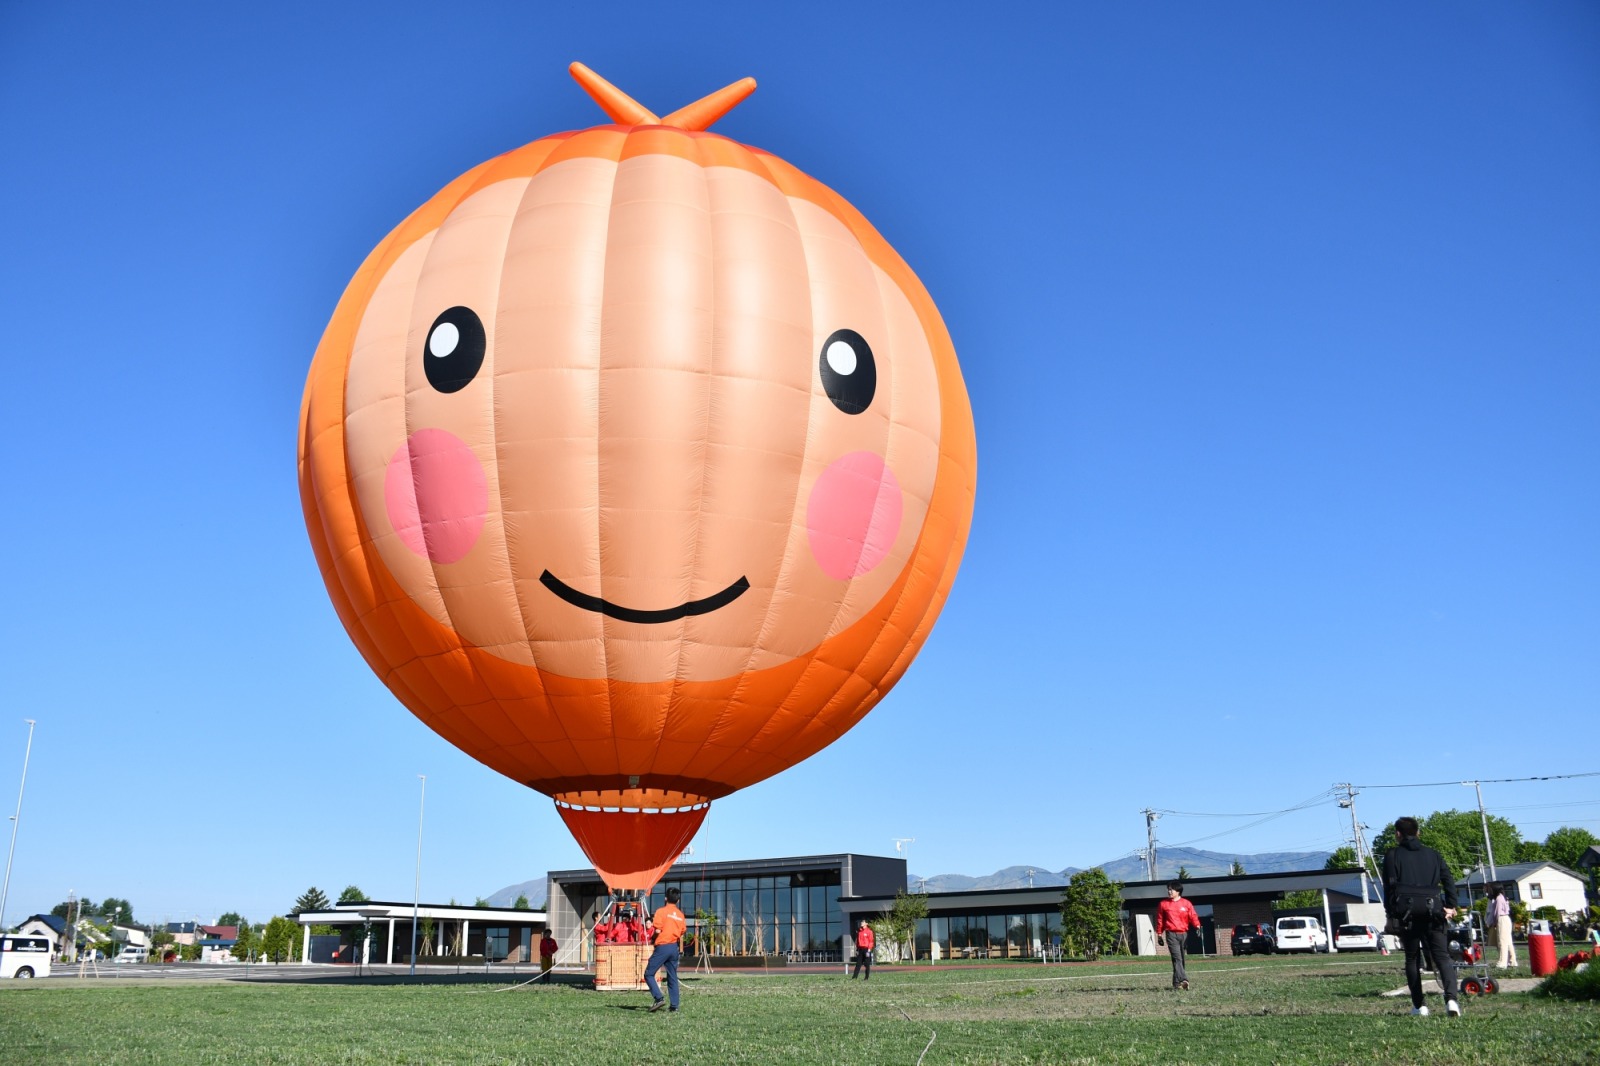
849 373
454 349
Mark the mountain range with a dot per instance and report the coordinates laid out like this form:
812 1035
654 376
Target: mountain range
1127 868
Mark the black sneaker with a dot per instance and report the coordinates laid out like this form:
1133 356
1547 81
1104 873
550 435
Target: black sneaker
657 1005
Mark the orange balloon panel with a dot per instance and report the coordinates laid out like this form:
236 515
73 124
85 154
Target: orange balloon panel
637 464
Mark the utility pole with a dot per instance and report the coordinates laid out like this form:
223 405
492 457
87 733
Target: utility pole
416 891
16 820
1150 818
1355 833
1488 848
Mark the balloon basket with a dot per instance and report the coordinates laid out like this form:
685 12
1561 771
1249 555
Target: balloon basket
620 967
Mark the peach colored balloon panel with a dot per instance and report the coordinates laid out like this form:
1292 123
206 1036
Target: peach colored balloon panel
638 465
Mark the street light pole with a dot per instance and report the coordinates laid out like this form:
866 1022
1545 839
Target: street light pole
416 893
1488 847
16 820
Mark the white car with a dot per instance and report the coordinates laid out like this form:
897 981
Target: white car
1357 938
24 956
1301 934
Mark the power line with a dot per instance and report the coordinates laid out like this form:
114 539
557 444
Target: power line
1250 814
1458 782
1545 806
1320 797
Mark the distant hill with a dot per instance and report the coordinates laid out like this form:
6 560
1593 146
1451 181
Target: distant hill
1130 868
1010 877
534 890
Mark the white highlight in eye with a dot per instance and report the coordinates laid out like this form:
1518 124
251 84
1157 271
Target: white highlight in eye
446 336
842 358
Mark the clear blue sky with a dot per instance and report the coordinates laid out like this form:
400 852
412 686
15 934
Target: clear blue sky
1281 325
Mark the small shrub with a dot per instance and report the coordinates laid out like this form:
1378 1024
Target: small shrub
1574 984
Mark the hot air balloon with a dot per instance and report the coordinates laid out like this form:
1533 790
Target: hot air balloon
637 465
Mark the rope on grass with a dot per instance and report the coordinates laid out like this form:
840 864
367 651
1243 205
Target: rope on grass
511 988
931 1029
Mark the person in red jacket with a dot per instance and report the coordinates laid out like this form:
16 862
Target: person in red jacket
864 944
602 930
1175 916
547 952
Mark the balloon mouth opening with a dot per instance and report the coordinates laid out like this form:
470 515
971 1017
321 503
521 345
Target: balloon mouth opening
633 837
631 800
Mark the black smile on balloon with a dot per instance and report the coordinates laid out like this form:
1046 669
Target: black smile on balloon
633 614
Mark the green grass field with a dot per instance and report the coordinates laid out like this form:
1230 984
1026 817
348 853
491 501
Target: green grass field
1256 1010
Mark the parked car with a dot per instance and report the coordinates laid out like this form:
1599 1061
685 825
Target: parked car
1301 934
1253 940
1358 938
131 955
24 956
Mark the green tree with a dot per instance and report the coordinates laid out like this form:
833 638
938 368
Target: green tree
68 909
1091 913
1238 869
1529 851
521 903
901 921
1567 845
246 943
231 918
313 899
1458 838
480 902
279 942
711 938
1183 873
189 952
1343 858
352 894
1296 901
119 910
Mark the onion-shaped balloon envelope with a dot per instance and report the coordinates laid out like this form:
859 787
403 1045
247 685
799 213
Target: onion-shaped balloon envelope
638 466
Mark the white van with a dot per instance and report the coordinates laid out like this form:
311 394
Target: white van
131 954
1301 934
24 956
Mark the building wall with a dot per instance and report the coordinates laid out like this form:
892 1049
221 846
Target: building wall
770 906
1556 890
1229 913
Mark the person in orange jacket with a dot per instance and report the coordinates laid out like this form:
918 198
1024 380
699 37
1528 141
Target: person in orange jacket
865 942
670 926
1175 916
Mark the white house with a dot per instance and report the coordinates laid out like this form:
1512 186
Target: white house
1538 884
45 925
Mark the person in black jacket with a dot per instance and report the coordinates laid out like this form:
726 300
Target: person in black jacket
1420 895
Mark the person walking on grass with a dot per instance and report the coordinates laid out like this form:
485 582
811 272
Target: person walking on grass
670 925
864 945
1420 897
1175 916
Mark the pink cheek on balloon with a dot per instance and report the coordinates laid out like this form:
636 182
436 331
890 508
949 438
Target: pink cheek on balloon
436 495
853 515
